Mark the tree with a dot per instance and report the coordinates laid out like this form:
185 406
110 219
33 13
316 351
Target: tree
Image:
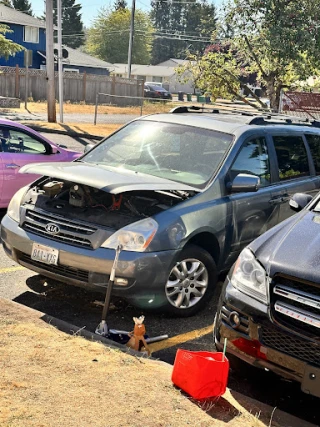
72 26
6 3
179 25
7 47
278 41
108 38
23 6
120 4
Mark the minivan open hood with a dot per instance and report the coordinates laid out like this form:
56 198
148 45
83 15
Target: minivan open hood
112 180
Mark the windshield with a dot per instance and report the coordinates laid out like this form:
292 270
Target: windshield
176 152
158 88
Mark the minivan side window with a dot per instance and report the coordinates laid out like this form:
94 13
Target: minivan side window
253 159
292 157
314 144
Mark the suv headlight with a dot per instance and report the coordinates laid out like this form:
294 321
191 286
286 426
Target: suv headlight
250 277
14 205
134 237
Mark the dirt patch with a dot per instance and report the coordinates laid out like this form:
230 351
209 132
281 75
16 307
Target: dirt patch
50 378
68 108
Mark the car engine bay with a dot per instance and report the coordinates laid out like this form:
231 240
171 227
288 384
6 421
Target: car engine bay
95 206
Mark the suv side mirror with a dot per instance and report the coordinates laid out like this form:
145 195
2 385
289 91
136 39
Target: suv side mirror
88 147
244 183
299 201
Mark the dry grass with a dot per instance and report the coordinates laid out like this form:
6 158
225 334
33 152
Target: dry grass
52 379
148 108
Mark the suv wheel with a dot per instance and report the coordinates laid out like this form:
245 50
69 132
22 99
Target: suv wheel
191 281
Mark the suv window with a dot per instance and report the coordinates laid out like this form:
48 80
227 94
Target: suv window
314 144
292 157
253 159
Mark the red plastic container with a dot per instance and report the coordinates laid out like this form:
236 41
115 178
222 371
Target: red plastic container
202 374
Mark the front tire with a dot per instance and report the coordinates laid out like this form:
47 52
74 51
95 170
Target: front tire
191 282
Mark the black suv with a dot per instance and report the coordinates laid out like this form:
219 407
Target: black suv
269 309
182 192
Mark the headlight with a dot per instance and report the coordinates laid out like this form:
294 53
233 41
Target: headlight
135 237
14 205
250 277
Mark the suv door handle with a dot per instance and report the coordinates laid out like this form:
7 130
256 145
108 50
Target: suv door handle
276 200
11 166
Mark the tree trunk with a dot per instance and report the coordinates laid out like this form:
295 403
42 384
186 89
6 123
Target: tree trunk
272 93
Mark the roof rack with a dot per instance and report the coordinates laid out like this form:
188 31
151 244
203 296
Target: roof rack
259 117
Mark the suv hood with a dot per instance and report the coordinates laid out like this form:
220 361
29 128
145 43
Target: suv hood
292 247
112 180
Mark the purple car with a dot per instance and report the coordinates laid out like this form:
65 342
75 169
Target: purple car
20 145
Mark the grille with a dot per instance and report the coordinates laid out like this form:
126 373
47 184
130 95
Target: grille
288 344
71 232
61 270
301 303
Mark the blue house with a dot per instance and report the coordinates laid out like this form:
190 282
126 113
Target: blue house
29 32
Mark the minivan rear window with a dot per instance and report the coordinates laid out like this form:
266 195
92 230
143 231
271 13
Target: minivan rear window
314 144
181 153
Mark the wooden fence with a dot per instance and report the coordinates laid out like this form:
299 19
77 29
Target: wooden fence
76 87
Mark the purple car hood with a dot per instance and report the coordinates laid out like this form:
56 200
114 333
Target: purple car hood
112 180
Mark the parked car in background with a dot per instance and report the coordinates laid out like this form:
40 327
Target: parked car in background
183 193
269 309
19 146
154 84
152 91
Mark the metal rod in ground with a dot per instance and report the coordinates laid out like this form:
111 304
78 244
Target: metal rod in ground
102 328
156 339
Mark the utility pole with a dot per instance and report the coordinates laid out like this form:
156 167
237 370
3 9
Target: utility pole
133 9
51 97
60 70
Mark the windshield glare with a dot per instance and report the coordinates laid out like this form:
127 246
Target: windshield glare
176 152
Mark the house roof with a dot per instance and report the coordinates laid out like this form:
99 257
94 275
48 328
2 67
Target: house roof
145 70
176 61
9 15
76 57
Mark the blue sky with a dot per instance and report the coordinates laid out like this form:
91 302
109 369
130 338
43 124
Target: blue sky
90 7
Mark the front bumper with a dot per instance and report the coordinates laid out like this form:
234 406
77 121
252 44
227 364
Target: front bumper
261 343
145 272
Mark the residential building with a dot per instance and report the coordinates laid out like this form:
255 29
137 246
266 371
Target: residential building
165 74
29 32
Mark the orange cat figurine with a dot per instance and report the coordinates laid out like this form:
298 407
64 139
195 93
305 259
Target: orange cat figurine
137 335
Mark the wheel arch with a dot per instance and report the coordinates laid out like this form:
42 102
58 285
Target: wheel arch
208 242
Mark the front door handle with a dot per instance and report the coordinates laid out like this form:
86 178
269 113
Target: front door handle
276 200
12 166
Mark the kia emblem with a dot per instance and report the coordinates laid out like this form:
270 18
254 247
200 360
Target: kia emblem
52 228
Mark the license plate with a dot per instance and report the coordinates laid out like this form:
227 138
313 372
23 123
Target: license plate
44 254
311 381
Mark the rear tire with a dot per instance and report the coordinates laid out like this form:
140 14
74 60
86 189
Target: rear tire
191 282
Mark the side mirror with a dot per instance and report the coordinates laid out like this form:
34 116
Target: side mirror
88 147
244 183
299 201
54 149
